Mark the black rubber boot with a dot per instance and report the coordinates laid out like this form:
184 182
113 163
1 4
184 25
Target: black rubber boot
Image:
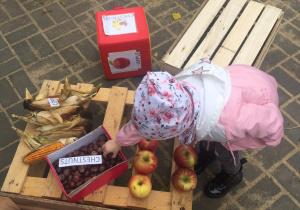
204 158
223 182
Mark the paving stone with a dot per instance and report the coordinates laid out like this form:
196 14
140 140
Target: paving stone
285 44
4 172
21 33
272 58
152 24
205 203
292 134
5 54
6 130
18 109
40 45
294 161
271 155
13 8
46 64
58 14
94 38
292 109
68 39
42 19
25 53
111 4
161 50
3 16
7 155
160 7
292 66
91 73
157 38
87 24
291 32
15 24
21 82
72 57
56 74
285 80
88 50
289 180
70 3
79 8
251 171
257 195
2 43
60 29
9 67
283 97
167 18
284 202
35 4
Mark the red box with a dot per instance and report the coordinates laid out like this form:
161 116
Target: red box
124 42
96 182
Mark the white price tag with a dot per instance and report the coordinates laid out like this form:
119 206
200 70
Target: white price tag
80 160
53 102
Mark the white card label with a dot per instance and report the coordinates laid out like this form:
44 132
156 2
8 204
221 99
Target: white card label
53 102
119 24
124 61
80 160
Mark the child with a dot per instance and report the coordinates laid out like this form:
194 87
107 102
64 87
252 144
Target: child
226 109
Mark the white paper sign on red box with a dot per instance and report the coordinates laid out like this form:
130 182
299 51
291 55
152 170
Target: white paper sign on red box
96 182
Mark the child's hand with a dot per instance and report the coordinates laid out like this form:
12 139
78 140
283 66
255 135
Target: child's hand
111 146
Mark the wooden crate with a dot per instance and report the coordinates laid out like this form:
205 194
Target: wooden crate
25 185
227 32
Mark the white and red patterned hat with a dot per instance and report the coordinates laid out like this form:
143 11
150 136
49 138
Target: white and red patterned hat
165 108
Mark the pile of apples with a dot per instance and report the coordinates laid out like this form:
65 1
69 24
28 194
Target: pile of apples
184 178
145 163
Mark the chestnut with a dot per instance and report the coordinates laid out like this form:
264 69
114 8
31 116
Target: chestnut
67 172
76 152
102 137
83 149
81 169
76 179
61 177
94 152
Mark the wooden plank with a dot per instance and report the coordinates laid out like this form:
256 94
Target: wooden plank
104 94
7 204
189 40
218 31
52 86
238 33
258 36
112 121
52 188
34 186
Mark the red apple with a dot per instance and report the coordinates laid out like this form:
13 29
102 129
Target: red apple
140 186
145 162
185 156
148 144
184 179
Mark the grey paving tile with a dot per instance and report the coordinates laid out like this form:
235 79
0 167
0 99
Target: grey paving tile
79 8
41 45
68 39
60 29
9 66
86 23
152 24
91 73
292 66
55 74
160 7
111 4
88 50
21 81
3 16
42 19
272 58
205 203
289 180
157 38
13 8
2 43
7 93
7 155
161 50
251 171
46 64
58 14
21 33
294 160
292 109
25 53
290 31
283 97
285 44
3 175
15 24
7 131
72 57
167 18
256 196
284 202
18 109
35 4
5 54
271 155
292 134
285 80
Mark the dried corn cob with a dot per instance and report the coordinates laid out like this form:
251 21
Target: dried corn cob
40 154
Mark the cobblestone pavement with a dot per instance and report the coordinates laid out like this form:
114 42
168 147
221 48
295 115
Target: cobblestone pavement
48 39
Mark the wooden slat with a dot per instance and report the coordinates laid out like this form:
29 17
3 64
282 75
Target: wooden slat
104 94
52 188
52 86
189 40
34 186
258 36
112 121
216 34
238 33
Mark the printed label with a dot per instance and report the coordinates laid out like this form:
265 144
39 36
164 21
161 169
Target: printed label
80 160
53 102
124 61
119 24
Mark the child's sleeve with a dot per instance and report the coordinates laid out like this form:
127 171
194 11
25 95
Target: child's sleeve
128 135
263 122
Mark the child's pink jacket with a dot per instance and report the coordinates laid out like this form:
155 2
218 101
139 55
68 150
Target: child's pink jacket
245 116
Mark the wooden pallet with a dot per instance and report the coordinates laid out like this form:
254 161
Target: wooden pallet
25 185
227 32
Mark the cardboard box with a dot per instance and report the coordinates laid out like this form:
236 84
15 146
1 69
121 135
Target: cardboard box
124 42
97 181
